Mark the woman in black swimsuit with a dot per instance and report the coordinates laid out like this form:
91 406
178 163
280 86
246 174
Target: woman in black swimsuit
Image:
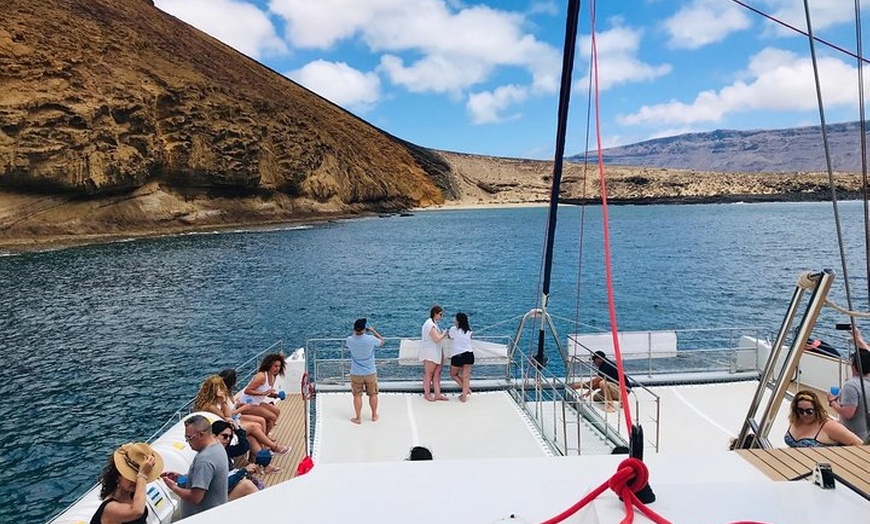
130 468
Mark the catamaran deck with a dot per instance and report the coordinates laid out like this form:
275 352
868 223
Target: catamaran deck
489 425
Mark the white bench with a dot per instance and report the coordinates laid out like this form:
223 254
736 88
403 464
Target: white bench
484 352
632 344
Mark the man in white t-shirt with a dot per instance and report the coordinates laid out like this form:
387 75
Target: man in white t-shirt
363 375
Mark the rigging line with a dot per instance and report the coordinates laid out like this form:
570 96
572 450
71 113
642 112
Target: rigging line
831 182
608 269
772 18
583 194
863 120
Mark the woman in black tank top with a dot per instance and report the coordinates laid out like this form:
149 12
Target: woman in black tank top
130 468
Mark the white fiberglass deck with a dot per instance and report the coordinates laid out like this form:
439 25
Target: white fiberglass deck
489 425
705 417
726 489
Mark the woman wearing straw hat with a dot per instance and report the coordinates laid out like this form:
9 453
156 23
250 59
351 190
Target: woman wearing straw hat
129 469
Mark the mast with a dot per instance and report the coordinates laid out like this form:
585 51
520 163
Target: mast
561 126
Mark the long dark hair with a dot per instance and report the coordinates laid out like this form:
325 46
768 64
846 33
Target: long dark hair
462 322
109 478
269 359
230 377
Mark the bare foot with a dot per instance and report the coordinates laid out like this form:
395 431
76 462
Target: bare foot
609 408
441 397
375 417
355 420
462 398
271 469
430 399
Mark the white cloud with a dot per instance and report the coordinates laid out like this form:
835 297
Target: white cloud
823 14
488 107
703 22
428 45
339 83
617 59
775 80
236 23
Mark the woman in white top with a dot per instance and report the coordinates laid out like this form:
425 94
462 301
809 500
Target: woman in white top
260 393
463 358
430 354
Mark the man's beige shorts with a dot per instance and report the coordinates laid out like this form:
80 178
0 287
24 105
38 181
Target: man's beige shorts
367 383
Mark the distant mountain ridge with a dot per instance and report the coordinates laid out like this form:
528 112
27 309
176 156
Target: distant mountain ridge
791 150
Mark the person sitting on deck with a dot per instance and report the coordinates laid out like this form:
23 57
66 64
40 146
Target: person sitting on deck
363 374
214 397
810 426
240 482
260 393
123 484
607 381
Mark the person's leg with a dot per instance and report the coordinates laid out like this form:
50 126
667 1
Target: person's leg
455 374
372 392
246 417
436 383
466 379
428 371
356 389
243 488
262 411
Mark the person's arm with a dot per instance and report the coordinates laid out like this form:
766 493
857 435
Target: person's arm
377 335
127 511
257 381
192 495
859 340
437 335
841 434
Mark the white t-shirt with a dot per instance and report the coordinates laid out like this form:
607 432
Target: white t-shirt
429 349
461 340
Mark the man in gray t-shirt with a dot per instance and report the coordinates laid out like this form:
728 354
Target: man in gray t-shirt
850 403
206 485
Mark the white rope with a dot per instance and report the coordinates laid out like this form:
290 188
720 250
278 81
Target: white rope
806 281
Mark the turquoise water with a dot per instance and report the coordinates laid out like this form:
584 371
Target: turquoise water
102 343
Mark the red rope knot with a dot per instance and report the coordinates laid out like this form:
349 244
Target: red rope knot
632 475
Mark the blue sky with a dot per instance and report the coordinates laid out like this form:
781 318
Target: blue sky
483 77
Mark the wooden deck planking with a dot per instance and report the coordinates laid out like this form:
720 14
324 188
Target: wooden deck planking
290 430
852 463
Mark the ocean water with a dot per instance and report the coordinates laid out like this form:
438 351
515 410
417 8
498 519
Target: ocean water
100 344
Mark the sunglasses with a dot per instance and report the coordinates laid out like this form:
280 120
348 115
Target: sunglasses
225 435
807 411
188 438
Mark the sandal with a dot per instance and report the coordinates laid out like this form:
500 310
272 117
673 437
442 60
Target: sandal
271 469
282 450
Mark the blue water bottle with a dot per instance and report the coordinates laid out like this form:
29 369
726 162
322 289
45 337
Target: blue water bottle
835 390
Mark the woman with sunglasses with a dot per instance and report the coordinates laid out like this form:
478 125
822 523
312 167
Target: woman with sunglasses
239 482
810 426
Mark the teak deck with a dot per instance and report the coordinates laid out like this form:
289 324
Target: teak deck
290 430
852 463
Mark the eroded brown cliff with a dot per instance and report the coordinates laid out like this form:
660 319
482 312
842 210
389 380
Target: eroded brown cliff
114 97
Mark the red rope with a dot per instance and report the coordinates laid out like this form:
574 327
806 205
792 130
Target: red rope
631 476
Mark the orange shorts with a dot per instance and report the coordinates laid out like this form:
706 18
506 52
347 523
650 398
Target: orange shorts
367 383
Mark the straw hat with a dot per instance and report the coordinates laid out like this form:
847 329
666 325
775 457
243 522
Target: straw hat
129 457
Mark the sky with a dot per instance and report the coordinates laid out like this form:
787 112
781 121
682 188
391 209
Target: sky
483 77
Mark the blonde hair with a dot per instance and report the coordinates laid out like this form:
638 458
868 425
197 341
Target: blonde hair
208 393
807 396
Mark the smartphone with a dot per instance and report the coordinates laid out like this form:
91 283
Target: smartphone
844 327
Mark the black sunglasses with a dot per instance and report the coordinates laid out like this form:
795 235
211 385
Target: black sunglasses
225 435
808 411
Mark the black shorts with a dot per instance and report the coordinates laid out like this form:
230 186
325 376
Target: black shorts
462 359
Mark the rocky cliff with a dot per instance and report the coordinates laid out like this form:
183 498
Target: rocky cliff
117 102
